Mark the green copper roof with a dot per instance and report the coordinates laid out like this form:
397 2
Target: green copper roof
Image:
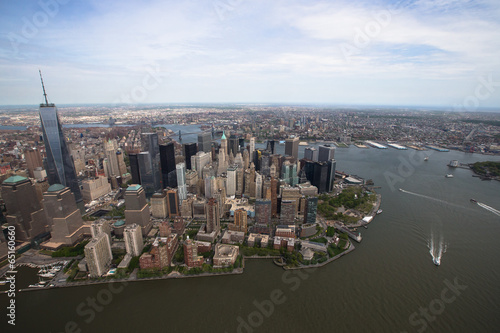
15 179
119 223
55 188
223 136
134 187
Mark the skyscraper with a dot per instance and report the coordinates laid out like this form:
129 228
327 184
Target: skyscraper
33 160
311 210
287 215
311 153
289 173
326 152
181 181
292 147
205 141
98 255
234 145
149 163
199 160
60 167
133 240
65 219
24 210
172 203
240 219
134 168
137 209
212 215
167 162
190 149
262 211
110 150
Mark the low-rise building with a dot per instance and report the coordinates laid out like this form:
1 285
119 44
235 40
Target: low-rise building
261 239
232 237
225 255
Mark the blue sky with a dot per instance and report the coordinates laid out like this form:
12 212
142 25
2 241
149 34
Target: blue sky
424 52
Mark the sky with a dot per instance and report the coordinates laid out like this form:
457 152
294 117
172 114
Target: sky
442 53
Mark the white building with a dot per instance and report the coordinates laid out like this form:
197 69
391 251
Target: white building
133 239
98 255
95 188
181 181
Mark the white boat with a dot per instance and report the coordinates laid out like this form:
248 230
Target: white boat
426 158
449 175
379 211
436 261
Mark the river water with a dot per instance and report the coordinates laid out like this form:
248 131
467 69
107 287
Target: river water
388 284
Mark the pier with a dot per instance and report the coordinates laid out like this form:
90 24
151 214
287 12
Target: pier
342 228
376 145
396 146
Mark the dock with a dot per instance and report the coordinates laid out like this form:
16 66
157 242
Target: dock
357 237
396 146
438 148
376 145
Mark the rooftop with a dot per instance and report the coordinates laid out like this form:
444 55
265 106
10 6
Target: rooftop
56 188
134 187
15 179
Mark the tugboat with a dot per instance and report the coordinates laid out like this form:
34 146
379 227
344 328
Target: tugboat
473 201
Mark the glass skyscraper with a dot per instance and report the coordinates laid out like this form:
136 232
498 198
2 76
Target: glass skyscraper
59 163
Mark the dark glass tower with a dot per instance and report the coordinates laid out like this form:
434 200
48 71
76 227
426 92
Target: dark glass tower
167 162
60 167
190 149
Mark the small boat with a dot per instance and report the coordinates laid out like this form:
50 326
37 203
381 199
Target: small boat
401 190
2 283
473 200
449 175
379 211
436 261
426 158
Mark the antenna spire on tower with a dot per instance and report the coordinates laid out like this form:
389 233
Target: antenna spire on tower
43 87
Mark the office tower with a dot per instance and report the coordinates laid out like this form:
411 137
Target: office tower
60 167
223 142
190 149
24 210
98 255
258 185
222 157
274 197
95 188
65 219
122 167
137 209
246 159
293 194
231 181
199 161
191 257
292 147
212 215
181 181
210 186
326 153
270 147
240 176
263 211
172 203
133 239
240 219
149 163
287 212
110 150
167 162
252 148
33 160
289 173
159 207
234 145
311 210
134 168
332 165
318 174
265 165
311 153
238 160
205 141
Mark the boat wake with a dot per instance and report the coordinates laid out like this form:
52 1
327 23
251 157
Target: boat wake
431 198
491 209
437 247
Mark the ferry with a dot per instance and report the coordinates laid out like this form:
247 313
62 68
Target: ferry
473 201
449 175
379 211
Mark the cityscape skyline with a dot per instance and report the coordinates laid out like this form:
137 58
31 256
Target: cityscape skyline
419 53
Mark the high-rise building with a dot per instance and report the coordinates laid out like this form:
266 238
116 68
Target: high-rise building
311 210
231 180
326 152
287 215
332 165
318 174
274 197
252 148
167 162
271 146
234 145
149 163
134 168
65 219
95 188
172 203
212 215
205 141
98 255
159 207
181 181
289 173
292 147
133 239
24 210
311 153
136 208
263 211
100 226
60 167
190 149
258 185
199 161
110 150
240 219
33 160
191 257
